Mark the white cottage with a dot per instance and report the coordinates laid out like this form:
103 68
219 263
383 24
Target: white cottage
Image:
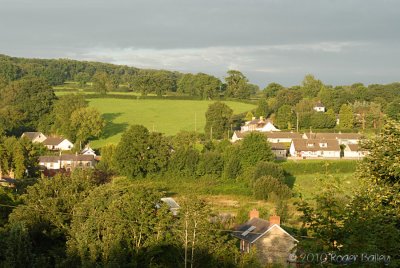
58 144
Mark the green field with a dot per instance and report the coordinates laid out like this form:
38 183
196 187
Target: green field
166 116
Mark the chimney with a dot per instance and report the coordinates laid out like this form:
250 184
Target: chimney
254 214
274 220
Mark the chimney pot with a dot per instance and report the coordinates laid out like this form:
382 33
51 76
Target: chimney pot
274 219
254 214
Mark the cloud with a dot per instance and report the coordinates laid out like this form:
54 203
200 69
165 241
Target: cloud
214 58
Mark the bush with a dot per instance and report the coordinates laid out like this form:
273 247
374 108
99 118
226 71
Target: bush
268 186
268 168
211 163
184 161
232 167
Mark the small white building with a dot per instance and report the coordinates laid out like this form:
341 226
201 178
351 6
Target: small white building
58 144
319 107
88 151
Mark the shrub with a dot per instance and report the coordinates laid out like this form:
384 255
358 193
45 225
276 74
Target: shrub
268 168
268 186
184 161
211 163
232 167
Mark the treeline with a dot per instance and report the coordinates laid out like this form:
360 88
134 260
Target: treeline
108 78
29 104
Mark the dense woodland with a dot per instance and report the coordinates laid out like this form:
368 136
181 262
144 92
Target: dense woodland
101 218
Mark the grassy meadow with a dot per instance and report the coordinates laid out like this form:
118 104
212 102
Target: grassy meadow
166 116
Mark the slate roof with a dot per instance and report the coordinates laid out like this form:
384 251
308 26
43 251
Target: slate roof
53 141
332 136
65 157
260 227
315 145
271 135
278 146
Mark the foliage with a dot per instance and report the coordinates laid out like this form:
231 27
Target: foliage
203 85
262 108
107 163
346 117
311 86
24 102
116 225
266 187
237 85
268 169
62 112
255 148
86 123
393 110
184 161
211 163
140 152
100 82
218 119
382 164
285 118
272 89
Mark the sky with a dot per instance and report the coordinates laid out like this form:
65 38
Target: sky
338 41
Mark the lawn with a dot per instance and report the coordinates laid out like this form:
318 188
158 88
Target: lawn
166 116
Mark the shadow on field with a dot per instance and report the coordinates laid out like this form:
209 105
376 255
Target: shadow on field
289 179
112 128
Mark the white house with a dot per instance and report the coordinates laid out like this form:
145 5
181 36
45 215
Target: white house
88 151
319 107
315 148
261 125
66 161
272 137
58 144
38 137
354 151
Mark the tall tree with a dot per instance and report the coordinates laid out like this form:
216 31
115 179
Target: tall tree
86 123
311 86
100 82
272 90
218 119
262 108
140 152
62 112
255 148
346 116
285 118
237 85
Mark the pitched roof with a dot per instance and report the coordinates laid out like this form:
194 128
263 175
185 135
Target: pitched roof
315 145
53 141
328 136
278 146
319 104
65 157
31 135
271 135
252 230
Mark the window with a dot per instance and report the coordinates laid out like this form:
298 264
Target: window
323 145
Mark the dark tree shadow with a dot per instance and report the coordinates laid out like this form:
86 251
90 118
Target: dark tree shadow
289 179
112 128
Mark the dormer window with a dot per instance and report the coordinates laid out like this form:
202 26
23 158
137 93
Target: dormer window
323 145
310 145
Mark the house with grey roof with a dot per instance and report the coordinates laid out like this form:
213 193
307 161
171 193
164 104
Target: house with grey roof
272 243
67 162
